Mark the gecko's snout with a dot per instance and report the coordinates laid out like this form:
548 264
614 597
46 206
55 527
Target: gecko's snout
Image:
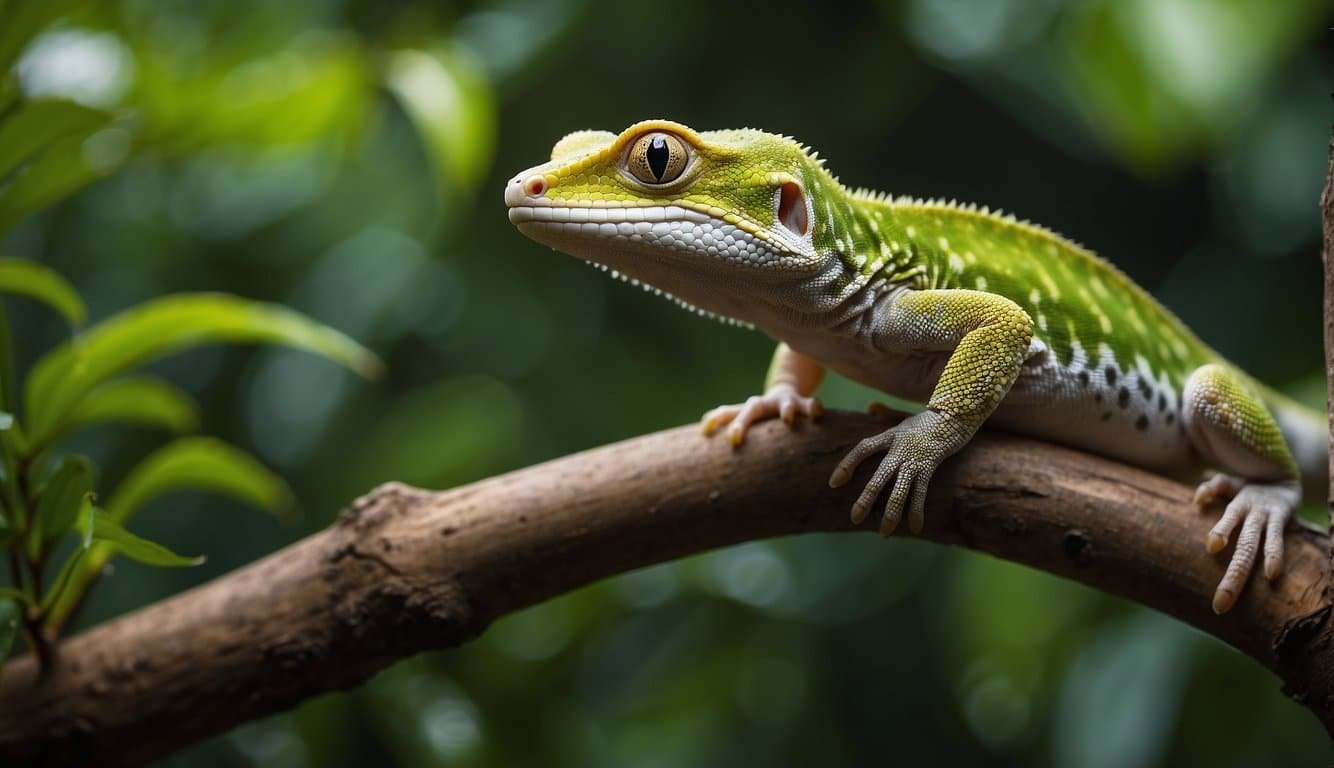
524 191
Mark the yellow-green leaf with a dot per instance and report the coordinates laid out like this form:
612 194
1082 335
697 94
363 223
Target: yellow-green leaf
452 107
141 400
34 281
23 19
160 327
59 171
64 494
198 463
136 548
35 125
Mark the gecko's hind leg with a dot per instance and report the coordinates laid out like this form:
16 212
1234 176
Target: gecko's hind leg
1231 427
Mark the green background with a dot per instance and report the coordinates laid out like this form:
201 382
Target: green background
347 158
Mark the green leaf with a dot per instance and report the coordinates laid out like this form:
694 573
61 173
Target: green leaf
138 549
85 523
160 327
36 125
141 400
30 279
450 102
23 19
7 381
10 610
62 581
193 462
59 171
63 496
201 463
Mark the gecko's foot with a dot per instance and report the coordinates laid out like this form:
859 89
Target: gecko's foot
913 450
781 400
1265 509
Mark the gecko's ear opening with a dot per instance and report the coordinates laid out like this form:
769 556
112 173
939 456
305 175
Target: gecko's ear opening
792 212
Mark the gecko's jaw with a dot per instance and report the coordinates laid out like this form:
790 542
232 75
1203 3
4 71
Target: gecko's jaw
665 229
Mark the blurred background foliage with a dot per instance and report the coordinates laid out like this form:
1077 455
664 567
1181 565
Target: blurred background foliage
346 158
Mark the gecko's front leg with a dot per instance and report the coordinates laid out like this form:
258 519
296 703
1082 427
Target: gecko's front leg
788 389
986 337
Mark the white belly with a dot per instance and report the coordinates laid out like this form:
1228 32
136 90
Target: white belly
1125 415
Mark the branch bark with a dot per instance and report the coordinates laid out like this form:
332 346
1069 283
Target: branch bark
406 570
1327 257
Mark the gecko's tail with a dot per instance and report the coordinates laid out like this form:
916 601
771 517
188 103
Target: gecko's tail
1307 434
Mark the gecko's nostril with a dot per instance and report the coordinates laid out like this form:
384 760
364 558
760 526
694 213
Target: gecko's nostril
535 187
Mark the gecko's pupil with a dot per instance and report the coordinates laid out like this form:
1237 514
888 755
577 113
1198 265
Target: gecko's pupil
658 154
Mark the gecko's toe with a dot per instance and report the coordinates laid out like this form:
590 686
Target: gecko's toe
1224 599
1263 510
718 418
782 402
1218 489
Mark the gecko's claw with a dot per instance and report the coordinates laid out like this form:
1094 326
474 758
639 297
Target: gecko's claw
781 400
1265 510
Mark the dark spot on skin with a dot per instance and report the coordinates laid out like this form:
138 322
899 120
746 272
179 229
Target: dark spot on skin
1123 397
1107 416
1111 375
1145 389
1162 402
1142 423
1083 378
1171 417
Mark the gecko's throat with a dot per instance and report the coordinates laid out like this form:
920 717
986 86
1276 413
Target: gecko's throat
679 253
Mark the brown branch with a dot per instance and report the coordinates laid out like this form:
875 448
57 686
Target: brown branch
1327 257
406 570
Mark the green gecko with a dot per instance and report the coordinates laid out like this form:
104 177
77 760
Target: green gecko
975 314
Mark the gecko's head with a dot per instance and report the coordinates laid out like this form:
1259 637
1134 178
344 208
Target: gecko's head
685 212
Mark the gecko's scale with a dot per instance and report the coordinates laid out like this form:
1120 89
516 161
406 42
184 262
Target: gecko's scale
973 313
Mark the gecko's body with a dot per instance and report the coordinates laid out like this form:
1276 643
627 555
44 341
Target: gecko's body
975 314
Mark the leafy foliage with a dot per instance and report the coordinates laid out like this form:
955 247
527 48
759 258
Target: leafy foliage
47 497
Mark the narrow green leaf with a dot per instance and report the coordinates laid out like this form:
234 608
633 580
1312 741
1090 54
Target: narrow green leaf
36 125
10 610
449 100
63 496
8 390
136 548
87 512
163 326
141 400
23 20
59 171
62 582
30 279
201 463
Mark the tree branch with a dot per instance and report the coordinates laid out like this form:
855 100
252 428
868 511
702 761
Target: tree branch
1327 257
406 571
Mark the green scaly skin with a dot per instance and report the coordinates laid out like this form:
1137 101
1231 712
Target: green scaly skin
977 315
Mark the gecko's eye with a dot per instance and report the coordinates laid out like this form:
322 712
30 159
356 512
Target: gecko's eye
657 158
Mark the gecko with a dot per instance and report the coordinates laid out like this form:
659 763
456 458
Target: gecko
973 313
